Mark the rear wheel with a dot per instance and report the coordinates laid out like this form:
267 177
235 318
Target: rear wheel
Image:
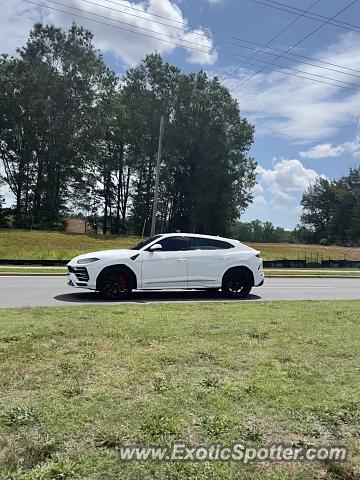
115 284
237 284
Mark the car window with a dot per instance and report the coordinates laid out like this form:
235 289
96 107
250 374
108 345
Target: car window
209 244
143 244
174 244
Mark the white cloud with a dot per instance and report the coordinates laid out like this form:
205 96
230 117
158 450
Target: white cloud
352 147
260 200
298 210
282 186
279 197
18 17
301 110
215 2
323 151
197 36
328 150
16 20
258 189
286 176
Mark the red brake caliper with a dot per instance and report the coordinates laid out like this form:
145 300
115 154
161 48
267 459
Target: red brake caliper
122 282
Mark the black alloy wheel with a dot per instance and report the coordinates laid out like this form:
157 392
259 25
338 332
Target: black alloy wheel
237 284
115 285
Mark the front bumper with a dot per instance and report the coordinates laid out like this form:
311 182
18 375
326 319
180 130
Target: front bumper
259 279
79 277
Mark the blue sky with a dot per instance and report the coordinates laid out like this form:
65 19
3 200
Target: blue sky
303 128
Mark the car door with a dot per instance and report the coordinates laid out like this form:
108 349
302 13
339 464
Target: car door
208 260
166 268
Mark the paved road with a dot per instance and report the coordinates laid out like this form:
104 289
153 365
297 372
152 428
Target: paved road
53 291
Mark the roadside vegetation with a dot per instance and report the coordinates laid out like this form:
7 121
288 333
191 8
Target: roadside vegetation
42 245
314 253
28 245
297 272
77 383
106 128
11 270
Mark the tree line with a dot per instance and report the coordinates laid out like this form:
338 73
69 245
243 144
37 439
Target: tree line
74 137
331 216
332 211
263 232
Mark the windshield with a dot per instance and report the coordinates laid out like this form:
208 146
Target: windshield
145 242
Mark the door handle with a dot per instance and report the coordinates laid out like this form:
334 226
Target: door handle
182 260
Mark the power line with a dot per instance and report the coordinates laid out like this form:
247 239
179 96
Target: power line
186 46
265 52
300 41
182 45
270 41
216 50
219 35
242 46
309 15
313 16
210 51
193 43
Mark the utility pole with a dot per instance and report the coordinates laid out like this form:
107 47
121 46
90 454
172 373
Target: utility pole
157 180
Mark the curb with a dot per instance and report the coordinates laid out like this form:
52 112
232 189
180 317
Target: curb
31 274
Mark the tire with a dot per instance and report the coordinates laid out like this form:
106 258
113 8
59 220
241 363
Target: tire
115 284
237 284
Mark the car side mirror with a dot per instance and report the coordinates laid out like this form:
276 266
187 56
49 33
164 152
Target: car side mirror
155 248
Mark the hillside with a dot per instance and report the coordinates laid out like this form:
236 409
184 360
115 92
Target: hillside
25 244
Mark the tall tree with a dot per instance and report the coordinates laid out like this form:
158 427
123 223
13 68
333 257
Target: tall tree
332 210
206 175
211 174
73 137
49 94
148 93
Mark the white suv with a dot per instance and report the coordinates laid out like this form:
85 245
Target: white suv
170 261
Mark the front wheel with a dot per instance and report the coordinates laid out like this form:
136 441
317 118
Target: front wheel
237 284
115 284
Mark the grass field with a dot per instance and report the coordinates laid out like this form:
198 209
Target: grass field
76 383
20 244
28 245
38 270
335 272
279 251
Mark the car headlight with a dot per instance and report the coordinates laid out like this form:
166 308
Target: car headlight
85 261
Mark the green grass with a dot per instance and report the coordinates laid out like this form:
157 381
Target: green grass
28 245
78 382
38 245
38 270
279 251
335 272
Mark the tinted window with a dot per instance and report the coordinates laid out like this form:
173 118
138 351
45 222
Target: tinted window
145 242
174 244
209 244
